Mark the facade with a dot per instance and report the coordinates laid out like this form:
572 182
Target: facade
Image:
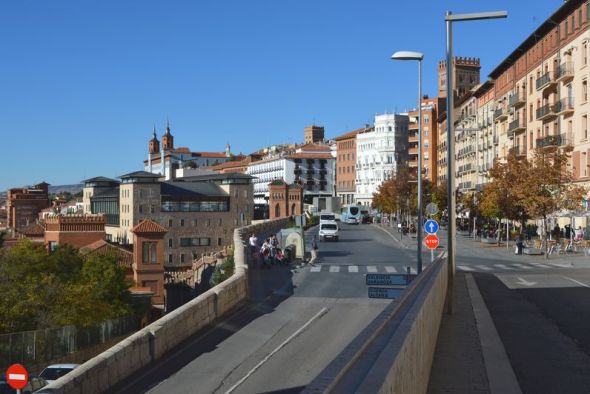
148 258
429 138
466 143
346 165
313 134
199 212
487 137
284 200
465 76
24 204
74 230
379 153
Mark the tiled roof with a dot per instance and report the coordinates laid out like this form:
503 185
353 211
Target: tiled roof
303 155
140 174
148 226
125 256
314 147
212 154
100 179
33 230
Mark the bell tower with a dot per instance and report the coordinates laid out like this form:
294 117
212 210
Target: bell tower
168 139
154 144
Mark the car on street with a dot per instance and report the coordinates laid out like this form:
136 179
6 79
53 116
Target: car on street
328 230
35 384
56 371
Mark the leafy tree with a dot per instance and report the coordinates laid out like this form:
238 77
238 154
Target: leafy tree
224 271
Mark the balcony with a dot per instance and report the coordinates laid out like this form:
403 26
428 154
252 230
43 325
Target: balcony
413 163
565 106
413 138
517 126
517 100
546 112
413 151
518 151
549 141
565 72
546 81
500 115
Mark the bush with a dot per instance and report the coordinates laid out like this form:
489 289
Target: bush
223 271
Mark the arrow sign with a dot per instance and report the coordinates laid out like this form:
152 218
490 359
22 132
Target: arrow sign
431 226
17 376
431 241
523 282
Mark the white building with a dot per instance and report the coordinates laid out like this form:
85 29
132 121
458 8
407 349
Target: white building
379 153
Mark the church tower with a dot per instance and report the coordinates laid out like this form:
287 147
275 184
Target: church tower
168 139
154 145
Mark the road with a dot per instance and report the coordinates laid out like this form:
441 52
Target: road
283 342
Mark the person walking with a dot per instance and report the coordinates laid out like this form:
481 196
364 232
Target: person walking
314 251
274 245
253 242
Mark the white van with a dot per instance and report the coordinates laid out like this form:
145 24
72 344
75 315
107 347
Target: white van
328 230
327 217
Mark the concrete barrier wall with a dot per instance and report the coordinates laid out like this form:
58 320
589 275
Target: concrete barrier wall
152 342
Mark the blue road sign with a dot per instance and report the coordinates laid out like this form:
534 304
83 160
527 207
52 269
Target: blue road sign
385 292
431 226
389 279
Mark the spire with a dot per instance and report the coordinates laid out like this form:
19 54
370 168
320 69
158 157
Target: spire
154 134
167 126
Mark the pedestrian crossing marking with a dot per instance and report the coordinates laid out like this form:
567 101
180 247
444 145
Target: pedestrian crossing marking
484 267
390 270
561 265
353 268
316 269
502 266
522 266
541 265
371 269
334 268
465 268
413 271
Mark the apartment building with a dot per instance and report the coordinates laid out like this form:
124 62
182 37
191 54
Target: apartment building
487 137
199 212
379 153
23 204
429 138
346 165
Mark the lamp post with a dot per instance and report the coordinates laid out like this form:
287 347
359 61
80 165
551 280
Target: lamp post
449 19
405 55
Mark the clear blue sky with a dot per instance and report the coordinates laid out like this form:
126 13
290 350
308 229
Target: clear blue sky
82 82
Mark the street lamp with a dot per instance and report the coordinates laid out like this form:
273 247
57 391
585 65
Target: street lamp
406 55
449 19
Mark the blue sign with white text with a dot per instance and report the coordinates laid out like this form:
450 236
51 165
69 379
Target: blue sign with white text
431 226
384 292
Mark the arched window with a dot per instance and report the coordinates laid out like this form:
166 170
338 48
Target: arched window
277 210
293 209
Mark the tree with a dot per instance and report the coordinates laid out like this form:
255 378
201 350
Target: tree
548 187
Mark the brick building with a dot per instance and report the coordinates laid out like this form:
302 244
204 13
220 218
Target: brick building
73 230
346 165
24 204
284 200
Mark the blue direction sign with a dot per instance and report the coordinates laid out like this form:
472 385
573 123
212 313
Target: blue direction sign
385 292
389 279
431 226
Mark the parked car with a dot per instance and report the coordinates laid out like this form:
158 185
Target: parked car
35 384
56 371
328 230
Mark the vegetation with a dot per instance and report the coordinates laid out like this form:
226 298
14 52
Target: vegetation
41 291
223 271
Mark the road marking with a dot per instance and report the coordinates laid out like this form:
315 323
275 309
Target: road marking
353 268
389 269
371 269
502 266
575 281
282 345
541 265
413 271
316 269
561 265
391 235
526 267
523 282
465 268
334 268
484 267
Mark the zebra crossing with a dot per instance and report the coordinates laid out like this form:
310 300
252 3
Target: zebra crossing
362 269
510 267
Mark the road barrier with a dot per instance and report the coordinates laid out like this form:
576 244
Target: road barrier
394 353
153 341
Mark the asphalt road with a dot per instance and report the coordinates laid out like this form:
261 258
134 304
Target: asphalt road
281 343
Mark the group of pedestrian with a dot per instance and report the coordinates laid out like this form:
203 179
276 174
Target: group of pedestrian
268 252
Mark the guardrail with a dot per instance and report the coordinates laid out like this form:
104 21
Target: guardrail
394 353
149 344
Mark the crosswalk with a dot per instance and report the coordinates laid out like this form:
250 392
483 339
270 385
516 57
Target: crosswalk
510 267
360 269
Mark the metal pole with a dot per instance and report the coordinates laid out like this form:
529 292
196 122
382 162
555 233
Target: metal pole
450 167
419 229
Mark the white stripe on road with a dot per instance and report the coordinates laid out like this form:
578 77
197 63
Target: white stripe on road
465 268
353 268
334 268
522 266
541 265
282 345
316 269
575 281
561 265
413 271
390 269
484 267
371 269
502 266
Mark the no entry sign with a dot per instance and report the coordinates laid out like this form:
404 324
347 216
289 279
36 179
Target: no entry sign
17 376
431 241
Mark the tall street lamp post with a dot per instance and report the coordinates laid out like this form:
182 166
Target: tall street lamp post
405 55
449 19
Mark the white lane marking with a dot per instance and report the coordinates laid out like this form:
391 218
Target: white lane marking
575 281
502 266
390 270
561 265
522 266
541 265
465 268
371 269
316 269
282 345
413 271
16 376
334 268
353 268
484 267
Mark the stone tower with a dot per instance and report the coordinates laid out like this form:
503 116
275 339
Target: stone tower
167 139
313 134
154 144
465 76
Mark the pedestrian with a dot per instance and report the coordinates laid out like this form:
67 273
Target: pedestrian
314 251
274 245
568 231
253 242
579 234
265 253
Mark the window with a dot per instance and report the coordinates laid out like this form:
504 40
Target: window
169 222
585 126
585 54
152 208
531 140
170 243
182 257
219 241
140 208
579 17
566 28
181 222
149 253
585 90
170 258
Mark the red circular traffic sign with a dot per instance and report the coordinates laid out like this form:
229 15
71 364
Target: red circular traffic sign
431 241
17 376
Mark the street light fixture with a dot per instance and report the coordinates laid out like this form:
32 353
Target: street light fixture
449 19
407 55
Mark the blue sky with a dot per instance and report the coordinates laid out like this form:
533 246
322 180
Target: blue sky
83 82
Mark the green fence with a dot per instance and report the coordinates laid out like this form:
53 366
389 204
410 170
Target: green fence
39 346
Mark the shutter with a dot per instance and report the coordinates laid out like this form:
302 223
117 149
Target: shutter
576 164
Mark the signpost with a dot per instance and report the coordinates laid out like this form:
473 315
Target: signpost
389 279
431 241
385 292
17 377
431 209
431 226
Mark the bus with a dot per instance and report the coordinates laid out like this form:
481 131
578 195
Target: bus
350 214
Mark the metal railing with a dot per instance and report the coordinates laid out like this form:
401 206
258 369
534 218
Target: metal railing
545 111
544 80
565 70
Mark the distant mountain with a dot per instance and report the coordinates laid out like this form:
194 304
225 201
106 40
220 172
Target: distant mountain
74 188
